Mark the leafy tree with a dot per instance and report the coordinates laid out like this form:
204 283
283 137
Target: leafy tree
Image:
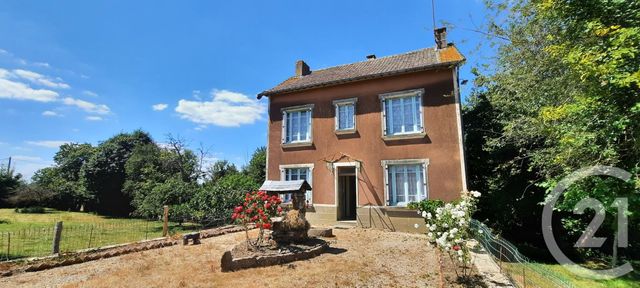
214 201
32 195
9 182
564 88
71 158
257 167
157 177
220 169
105 172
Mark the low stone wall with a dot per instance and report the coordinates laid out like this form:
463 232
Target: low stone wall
43 263
228 263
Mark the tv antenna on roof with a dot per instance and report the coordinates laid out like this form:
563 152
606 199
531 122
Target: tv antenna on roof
433 13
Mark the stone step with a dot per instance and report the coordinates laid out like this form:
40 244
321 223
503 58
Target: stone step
345 224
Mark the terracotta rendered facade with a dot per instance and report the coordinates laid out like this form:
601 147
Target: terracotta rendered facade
365 173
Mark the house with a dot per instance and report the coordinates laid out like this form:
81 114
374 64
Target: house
371 136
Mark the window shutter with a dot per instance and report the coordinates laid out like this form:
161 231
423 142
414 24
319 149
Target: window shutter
284 127
309 128
424 181
384 118
386 185
337 118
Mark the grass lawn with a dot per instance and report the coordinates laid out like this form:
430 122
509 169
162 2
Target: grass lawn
542 275
28 235
630 280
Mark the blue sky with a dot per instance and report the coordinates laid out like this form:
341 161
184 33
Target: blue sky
82 71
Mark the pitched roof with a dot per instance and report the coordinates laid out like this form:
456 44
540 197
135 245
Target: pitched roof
414 61
284 186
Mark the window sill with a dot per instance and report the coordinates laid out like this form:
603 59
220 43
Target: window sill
404 136
297 144
345 132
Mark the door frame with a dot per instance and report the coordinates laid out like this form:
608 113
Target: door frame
336 165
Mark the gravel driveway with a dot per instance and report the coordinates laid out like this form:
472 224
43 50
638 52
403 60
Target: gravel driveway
357 258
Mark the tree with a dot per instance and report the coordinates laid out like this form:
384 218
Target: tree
161 176
257 167
220 169
105 172
214 200
564 88
71 158
9 182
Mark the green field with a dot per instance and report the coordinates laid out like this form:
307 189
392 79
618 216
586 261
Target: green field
28 235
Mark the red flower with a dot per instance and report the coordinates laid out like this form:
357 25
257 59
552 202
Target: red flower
279 209
258 225
267 205
266 226
456 248
234 216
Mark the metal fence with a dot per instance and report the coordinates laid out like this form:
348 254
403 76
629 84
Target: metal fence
521 271
40 241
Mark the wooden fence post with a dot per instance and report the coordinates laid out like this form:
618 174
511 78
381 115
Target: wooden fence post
8 244
165 220
57 234
90 236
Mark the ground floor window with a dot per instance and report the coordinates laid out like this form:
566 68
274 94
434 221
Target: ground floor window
406 181
297 173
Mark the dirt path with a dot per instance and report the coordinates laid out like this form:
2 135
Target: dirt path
358 258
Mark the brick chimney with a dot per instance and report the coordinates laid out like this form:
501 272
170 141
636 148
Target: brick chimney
441 37
302 68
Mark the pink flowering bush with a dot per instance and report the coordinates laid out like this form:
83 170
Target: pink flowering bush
257 209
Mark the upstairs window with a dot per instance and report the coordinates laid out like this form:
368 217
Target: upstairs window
402 113
296 126
345 115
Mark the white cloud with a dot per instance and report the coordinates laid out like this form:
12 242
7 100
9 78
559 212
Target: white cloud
10 89
50 113
227 109
42 64
159 107
48 143
40 79
94 118
87 106
90 93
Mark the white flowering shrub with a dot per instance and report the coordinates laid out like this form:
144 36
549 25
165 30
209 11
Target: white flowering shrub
448 228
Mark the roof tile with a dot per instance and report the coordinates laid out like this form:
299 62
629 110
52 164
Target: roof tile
418 60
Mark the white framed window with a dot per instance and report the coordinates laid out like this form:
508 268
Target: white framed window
405 181
402 113
296 125
345 115
297 172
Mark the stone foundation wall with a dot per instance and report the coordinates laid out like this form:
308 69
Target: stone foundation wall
388 218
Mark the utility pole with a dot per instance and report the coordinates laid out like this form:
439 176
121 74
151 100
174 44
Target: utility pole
9 166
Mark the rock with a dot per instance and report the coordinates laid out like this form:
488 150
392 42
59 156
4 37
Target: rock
320 232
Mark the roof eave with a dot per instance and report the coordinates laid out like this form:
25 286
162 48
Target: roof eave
268 93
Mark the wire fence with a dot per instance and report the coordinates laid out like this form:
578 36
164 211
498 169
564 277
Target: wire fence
39 241
521 271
